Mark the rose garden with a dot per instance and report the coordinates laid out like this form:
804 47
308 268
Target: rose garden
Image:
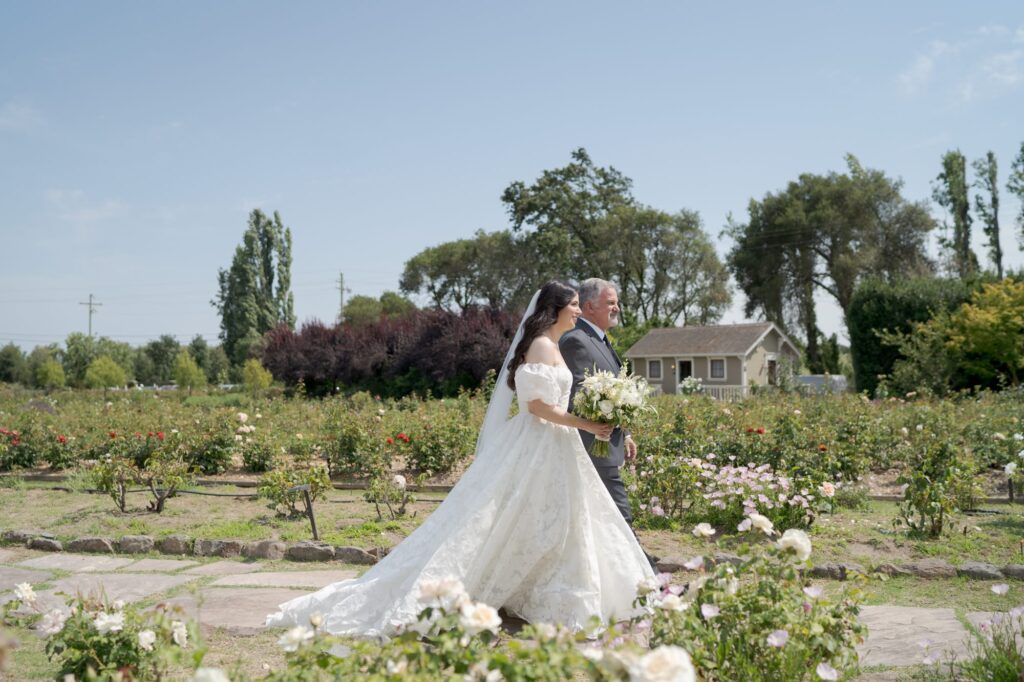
789 528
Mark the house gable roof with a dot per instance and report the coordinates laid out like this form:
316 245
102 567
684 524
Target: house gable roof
724 339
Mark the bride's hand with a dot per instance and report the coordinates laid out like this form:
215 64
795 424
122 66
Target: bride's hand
602 431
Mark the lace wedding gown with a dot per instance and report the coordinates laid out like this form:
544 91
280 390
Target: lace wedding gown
529 527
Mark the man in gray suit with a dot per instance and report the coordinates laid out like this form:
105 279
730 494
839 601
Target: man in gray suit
587 349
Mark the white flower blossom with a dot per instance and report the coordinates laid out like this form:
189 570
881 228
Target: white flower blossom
316 620
778 638
209 675
243 417
709 611
52 622
703 530
147 638
179 633
397 667
827 489
672 602
399 481
762 523
827 672
108 622
446 592
477 617
23 592
647 585
667 663
814 591
796 540
1010 468
295 637
694 563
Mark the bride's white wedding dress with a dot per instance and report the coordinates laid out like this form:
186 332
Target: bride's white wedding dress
529 526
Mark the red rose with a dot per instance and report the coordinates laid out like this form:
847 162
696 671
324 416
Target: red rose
750 429
62 440
822 447
150 434
389 440
402 436
760 429
159 435
113 434
15 443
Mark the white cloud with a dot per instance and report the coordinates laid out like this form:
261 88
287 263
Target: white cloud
72 206
1005 68
17 116
916 77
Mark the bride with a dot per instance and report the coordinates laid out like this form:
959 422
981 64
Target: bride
529 526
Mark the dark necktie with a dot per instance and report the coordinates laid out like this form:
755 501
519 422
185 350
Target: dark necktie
612 350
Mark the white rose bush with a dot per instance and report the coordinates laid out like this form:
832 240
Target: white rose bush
617 399
759 619
91 638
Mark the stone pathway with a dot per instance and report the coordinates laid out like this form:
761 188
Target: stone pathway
237 595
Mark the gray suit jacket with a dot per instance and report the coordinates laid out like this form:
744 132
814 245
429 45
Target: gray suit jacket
585 352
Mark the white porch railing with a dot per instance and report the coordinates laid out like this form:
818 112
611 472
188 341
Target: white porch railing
728 393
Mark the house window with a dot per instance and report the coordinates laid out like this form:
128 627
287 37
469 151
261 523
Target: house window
773 372
717 368
654 369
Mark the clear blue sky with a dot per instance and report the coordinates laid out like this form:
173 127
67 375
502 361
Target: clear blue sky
136 137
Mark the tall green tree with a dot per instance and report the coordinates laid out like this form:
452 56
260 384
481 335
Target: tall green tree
491 269
50 374
825 233
79 352
254 294
987 182
1016 186
218 366
155 361
40 356
104 373
187 373
950 192
565 207
664 264
13 365
120 352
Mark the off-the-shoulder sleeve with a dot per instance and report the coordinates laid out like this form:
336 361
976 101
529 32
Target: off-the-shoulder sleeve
537 382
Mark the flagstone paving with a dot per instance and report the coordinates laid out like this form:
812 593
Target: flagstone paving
239 610
226 567
306 579
164 565
77 563
238 595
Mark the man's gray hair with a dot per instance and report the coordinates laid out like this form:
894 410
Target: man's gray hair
590 289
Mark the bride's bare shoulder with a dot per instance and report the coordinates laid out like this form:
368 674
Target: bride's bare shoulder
544 351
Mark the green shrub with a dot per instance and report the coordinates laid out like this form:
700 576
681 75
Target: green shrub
276 486
896 306
440 442
938 484
759 620
358 448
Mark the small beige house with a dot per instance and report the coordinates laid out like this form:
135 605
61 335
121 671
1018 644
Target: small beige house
727 358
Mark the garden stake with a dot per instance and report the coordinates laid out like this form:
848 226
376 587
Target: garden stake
309 506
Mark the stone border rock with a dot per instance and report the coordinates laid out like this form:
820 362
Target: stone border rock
308 550
182 545
922 568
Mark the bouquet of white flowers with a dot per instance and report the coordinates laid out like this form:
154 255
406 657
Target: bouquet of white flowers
610 399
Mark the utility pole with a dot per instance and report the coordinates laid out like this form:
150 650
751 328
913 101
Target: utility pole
91 305
342 289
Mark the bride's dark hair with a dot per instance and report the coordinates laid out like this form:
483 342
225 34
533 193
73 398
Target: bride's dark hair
553 297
